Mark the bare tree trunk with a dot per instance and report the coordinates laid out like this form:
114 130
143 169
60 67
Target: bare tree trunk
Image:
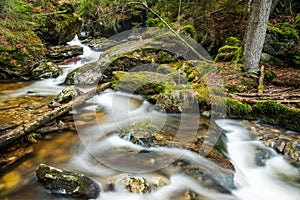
255 33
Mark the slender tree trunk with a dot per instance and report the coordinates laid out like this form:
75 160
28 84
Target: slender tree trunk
255 33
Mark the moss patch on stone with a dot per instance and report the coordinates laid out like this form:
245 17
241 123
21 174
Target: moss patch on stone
145 83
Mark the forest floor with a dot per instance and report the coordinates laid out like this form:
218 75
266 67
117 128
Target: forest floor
281 84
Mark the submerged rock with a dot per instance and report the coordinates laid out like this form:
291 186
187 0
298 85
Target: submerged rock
144 134
286 144
65 96
46 70
136 185
66 182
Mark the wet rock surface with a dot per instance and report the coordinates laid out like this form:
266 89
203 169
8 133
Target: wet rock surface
136 185
144 134
61 53
179 101
92 75
46 70
64 96
281 140
100 44
68 183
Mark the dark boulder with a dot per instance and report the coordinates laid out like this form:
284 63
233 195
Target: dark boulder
66 182
60 27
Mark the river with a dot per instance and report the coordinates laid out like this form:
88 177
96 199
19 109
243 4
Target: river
98 152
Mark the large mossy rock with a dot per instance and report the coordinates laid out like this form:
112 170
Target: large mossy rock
138 55
60 27
144 83
282 42
122 59
65 182
178 101
20 49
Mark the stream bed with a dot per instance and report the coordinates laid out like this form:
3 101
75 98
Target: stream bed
180 171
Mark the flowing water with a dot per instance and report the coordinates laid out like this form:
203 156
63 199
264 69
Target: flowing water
98 152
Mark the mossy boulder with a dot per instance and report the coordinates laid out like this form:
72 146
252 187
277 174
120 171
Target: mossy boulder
144 83
46 70
59 27
230 52
178 101
66 182
143 54
282 42
100 44
268 112
238 110
20 49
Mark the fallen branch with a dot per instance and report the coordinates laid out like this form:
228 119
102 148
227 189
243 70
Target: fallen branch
271 95
24 129
54 128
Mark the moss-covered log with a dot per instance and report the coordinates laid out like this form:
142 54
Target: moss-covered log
268 112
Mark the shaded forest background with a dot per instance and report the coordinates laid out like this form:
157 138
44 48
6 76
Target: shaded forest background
218 25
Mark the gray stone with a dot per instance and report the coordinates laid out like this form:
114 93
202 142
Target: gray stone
61 53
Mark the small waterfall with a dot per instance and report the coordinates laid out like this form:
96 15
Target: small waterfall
52 86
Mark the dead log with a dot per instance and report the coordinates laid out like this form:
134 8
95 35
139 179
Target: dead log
24 129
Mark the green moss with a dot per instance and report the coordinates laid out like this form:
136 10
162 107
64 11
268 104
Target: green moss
145 83
235 109
232 41
188 30
277 114
286 30
32 138
229 54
